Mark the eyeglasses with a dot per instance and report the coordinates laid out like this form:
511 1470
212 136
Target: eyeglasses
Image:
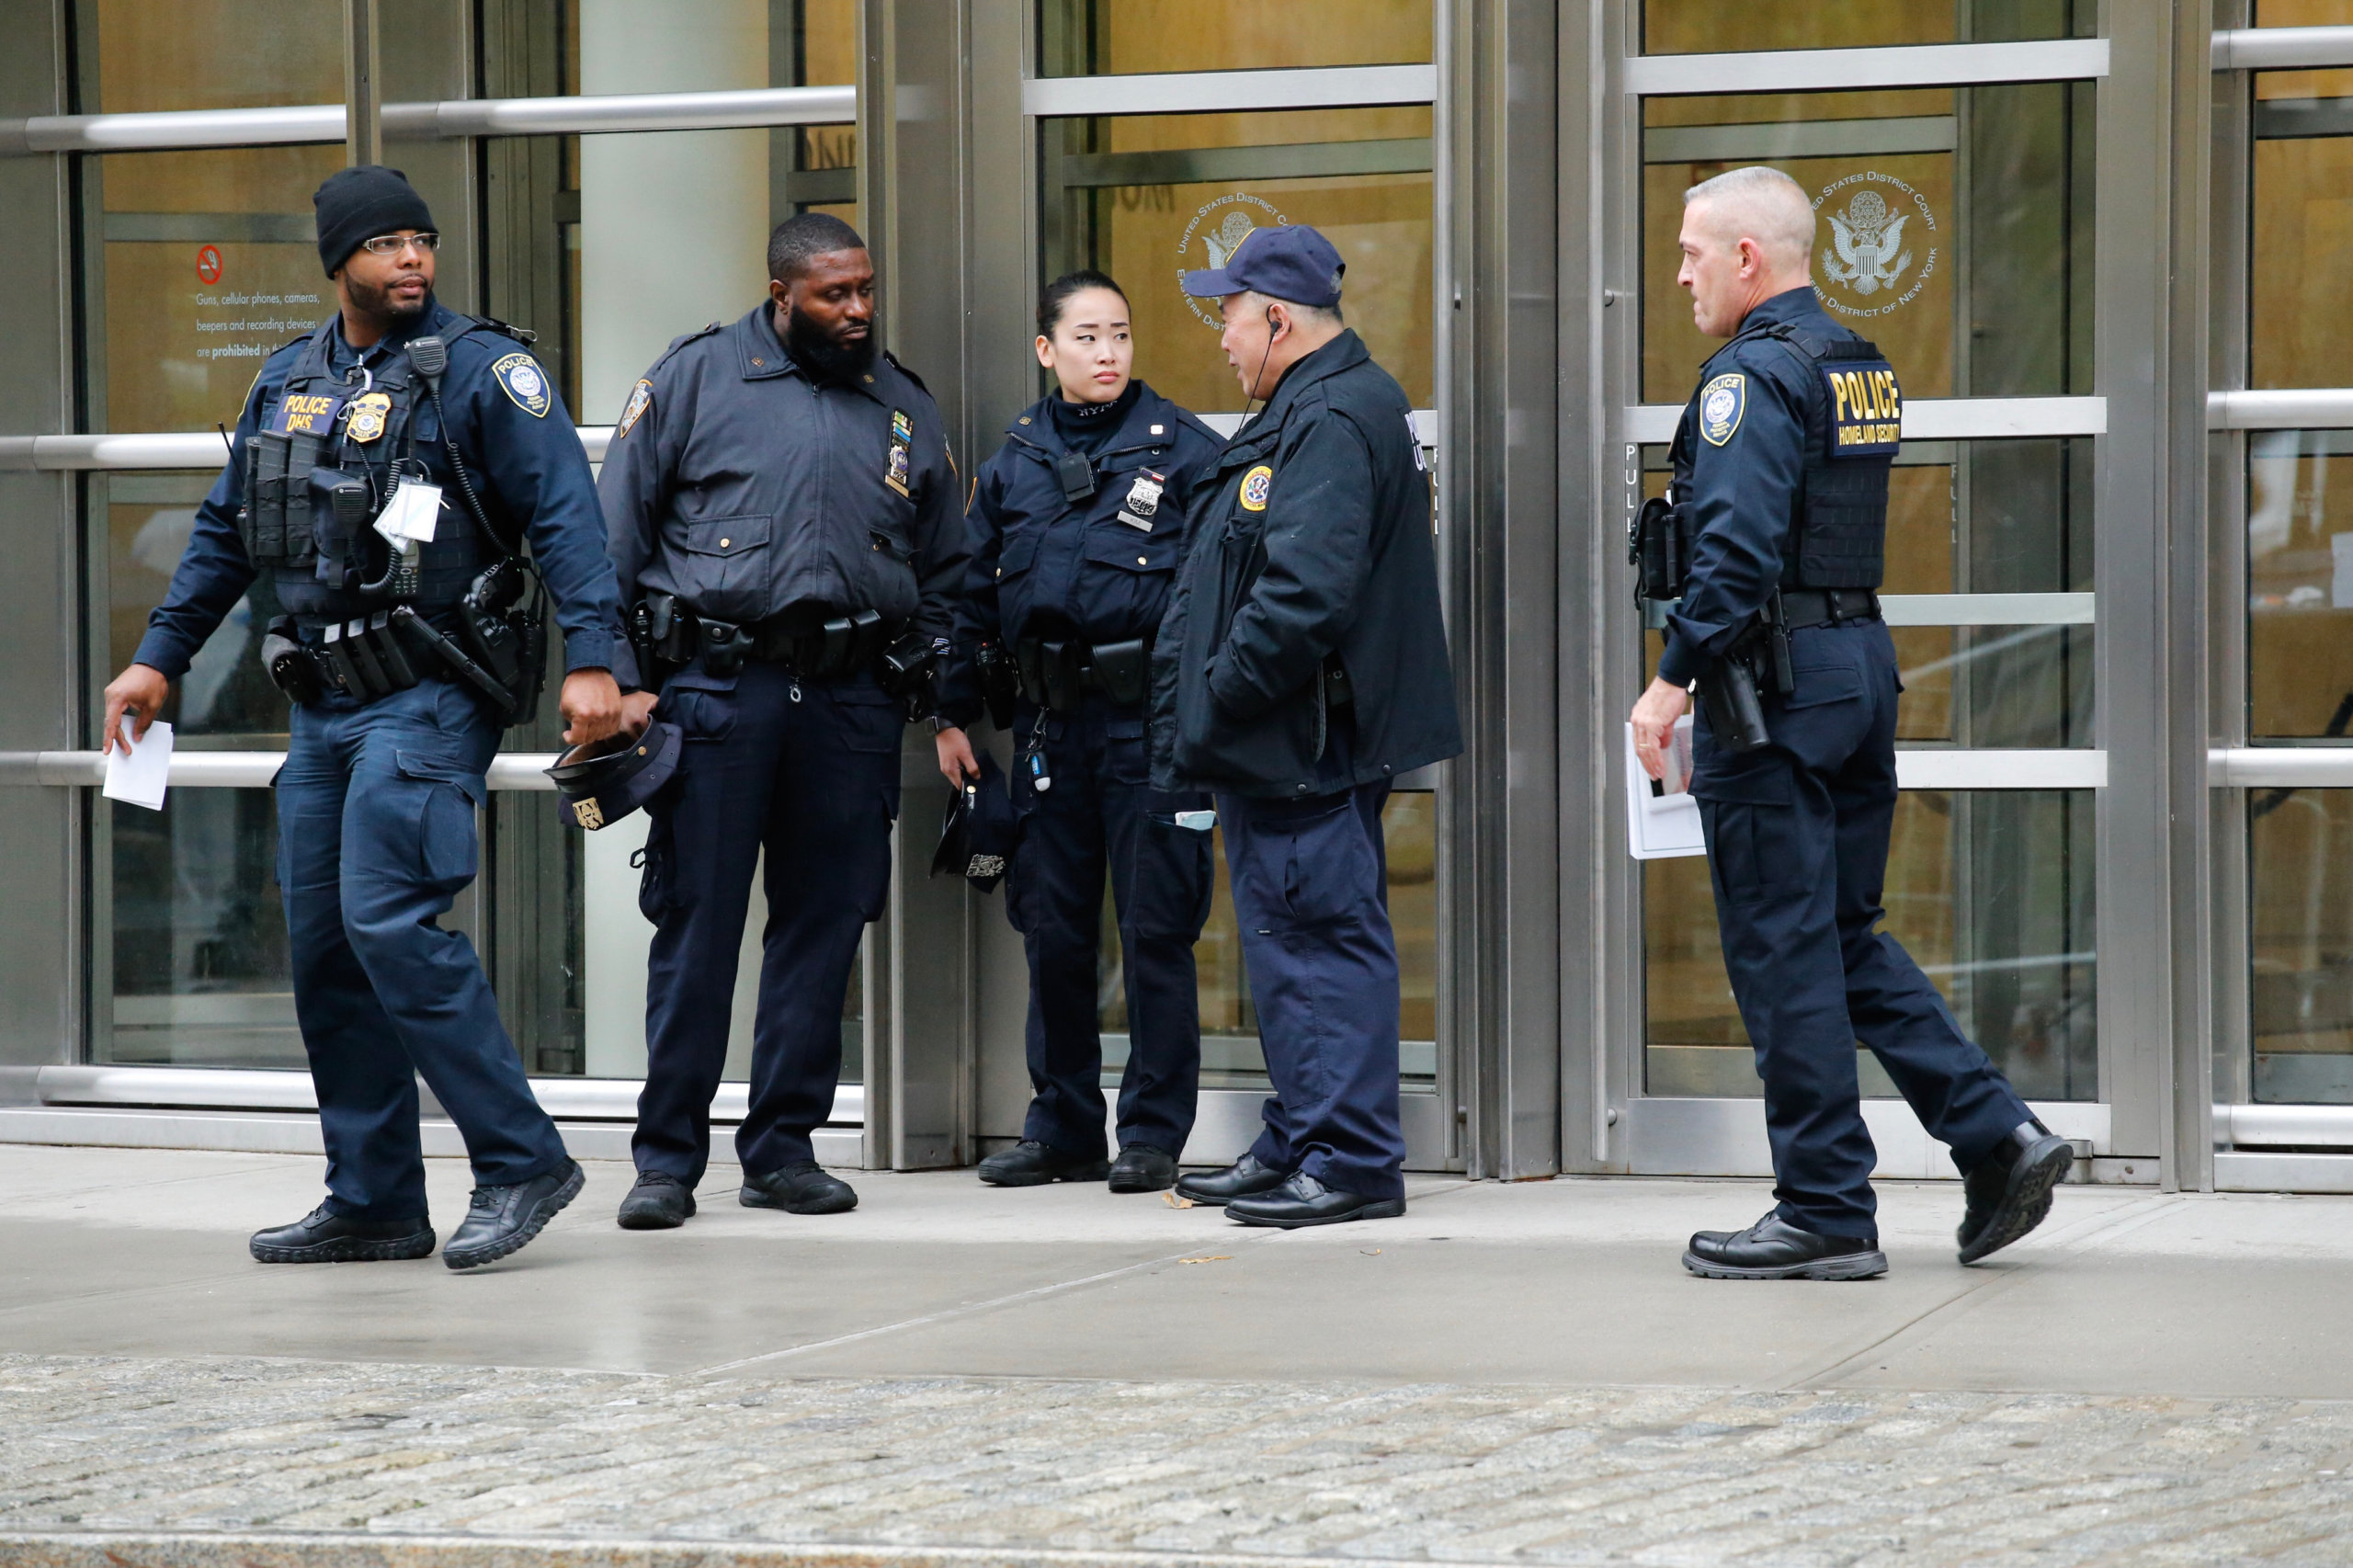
393 245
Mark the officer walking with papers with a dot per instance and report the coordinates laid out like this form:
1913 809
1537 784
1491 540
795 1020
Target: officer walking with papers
1772 537
391 469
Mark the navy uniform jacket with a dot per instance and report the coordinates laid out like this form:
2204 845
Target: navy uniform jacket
1310 541
749 490
1746 495
530 468
1044 566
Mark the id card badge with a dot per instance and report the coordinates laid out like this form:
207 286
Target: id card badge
1144 501
413 513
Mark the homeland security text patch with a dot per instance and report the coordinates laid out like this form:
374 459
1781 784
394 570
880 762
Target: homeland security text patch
1721 403
1865 408
305 414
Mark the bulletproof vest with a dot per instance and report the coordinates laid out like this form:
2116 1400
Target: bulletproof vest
1838 538
324 462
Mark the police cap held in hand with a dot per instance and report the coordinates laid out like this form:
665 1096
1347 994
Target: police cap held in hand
599 783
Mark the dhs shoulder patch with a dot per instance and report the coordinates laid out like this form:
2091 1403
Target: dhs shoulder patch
519 376
1721 403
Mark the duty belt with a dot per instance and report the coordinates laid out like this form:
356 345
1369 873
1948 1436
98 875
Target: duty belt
834 646
1058 675
1828 607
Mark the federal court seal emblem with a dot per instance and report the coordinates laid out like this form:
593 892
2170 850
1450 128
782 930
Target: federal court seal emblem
1217 230
1877 260
1721 403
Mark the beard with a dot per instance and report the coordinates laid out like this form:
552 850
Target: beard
822 355
378 302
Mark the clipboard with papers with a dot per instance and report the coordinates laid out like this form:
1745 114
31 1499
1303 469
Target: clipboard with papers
1662 817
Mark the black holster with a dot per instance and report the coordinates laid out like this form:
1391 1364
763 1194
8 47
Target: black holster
1728 692
1658 546
1000 684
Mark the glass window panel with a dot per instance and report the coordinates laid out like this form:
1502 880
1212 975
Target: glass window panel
2300 584
2304 13
1992 893
202 54
2301 226
2299 920
1145 198
1708 26
1230 1058
1090 38
1987 291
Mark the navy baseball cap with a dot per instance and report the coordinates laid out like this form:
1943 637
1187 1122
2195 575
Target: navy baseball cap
1288 261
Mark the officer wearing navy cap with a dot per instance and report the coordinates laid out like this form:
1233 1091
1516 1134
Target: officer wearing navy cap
393 732
1780 467
783 511
1301 668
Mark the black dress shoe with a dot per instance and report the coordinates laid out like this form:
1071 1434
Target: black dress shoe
1032 1164
1304 1201
1240 1179
2009 1192
659 1201
324 1236
1774 1249
503 1219
1143 1168
804 1188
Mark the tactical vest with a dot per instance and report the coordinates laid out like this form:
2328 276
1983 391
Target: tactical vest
1837 536
324 464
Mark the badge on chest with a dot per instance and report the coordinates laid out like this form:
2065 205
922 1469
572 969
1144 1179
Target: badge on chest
369 413
1143 502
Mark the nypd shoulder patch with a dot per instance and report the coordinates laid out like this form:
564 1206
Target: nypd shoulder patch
519 376
1721 403
641 398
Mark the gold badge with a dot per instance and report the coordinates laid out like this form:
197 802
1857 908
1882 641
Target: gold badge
587 813
369 412
1255 485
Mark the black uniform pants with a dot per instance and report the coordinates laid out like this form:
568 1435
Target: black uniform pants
1797 853
1102 813
809 772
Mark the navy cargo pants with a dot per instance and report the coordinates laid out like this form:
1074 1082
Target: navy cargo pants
1311 895
375 837
1102 812
809 772
1797 838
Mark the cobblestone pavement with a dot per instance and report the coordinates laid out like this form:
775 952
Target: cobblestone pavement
1192 1471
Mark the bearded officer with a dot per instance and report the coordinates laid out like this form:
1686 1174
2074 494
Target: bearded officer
1301 668
783 511
391 737
1781 467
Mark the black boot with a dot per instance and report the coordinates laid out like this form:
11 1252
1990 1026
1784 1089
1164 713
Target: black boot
2009 1189
1240 1179
802 1187
658 1202
1774 1249
1304 1201
503 1219
1032 1164
1143 1168
324 1236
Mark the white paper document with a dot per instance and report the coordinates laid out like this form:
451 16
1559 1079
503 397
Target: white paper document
1662 819
413 513
140 774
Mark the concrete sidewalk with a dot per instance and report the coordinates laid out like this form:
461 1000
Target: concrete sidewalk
1510 1373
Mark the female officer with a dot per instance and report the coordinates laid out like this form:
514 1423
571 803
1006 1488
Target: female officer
1076 528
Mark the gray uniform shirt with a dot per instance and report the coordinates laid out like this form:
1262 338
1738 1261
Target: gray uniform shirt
747 489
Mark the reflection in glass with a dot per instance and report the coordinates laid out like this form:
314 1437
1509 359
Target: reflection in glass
1230 1058
2300 584
1956 226
1992 893
1091 38
1144 198
2299 929
144 55
1707 26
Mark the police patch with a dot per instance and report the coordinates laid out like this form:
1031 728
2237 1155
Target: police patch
1721 403
522 380
1255 485
1865 408
369 412
641 398
305 414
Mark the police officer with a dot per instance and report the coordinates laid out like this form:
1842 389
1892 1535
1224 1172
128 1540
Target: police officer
1781 467
391 735
1076 528
1300 669
781 508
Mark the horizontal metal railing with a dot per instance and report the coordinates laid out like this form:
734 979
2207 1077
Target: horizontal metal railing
1849 70
1932 418
232 769
1206 92
574 115
2274 48
175 450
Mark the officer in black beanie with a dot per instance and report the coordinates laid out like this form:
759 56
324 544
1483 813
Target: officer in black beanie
390 736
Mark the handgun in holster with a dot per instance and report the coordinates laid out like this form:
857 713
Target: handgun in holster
663 638
1000 684
507 642
1658 546
1728 691
910 670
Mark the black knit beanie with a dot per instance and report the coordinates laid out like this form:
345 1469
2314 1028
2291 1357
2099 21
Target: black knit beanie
357 204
